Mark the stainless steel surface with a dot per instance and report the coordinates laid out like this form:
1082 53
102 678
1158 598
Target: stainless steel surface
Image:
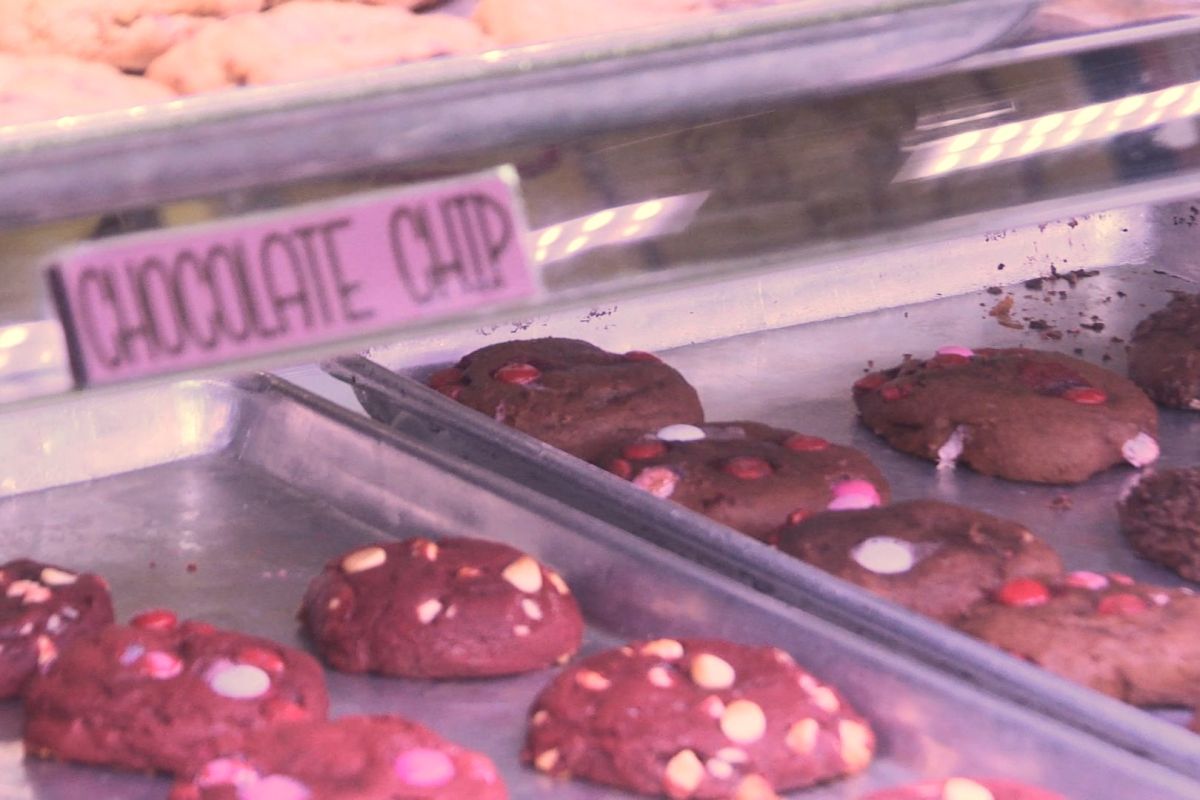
798 377
239 493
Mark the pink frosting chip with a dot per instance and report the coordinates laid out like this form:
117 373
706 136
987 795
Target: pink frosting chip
854 494
424 766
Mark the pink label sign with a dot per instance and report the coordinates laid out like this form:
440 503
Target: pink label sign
174 300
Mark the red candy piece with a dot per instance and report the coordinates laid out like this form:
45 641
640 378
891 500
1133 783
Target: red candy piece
519 374
748 468
646 448
159 619
198 628
621 468
262 658
805 444
279 710
1086 396
1023 592
641 355
869 383
446 377
895 391
798 516
1116 604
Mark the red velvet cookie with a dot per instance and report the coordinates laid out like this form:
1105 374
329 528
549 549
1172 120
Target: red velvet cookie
352 758
43 608
966 789
935 558
455 608
747 475
1133 641
695 719
159 695
569 393
1020 414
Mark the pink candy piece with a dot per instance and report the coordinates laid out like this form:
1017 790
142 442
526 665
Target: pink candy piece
854 494
955 350
274 787
159 665
226 771
658 481
424 767
1086 580
238 681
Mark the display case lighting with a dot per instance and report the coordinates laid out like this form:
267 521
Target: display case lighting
617 225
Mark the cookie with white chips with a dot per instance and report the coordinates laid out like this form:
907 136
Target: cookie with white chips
935 558
42 609
454 608
959 788
695 718
1024 415
351 758
158 695
1130 640
747 475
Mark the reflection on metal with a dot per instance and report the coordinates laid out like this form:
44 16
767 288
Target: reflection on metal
1055 131
618 225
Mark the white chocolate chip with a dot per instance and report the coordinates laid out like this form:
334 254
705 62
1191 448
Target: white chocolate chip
451 611
363 560
667 649
70 612
539 717
521 631
429 550
680 433
743 722
36 594
755 787
684 774
427 612
721 770
525 574
54 623
546 760
826 699
712 672
557 582
57 577
733 755
782 657
965 789
660 677
26 629
334 603
802 736
713 706
884 555
531 609
858 744
592 681
951 449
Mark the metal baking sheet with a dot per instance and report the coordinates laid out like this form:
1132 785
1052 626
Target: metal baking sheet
223 500
798 377
202 145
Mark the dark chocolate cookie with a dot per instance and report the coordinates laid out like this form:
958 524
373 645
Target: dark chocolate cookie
456 608
160 695
1132 641
966 789
1164 353
352 758
747 475
935 558
1160 517
1024 415
43 608
695 719
569 393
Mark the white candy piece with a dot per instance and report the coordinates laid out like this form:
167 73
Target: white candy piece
949 452
1140 450
239 681
680 433
884 555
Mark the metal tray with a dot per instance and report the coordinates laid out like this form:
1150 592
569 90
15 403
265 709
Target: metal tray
264 136
799 376
223 500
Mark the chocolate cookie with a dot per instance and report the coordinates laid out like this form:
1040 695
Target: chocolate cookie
353 758
159 695
747 475
695 718
569 393
1160 517
1164 353
1132 641
966 789
457 608
935 558
42 609
1020 414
